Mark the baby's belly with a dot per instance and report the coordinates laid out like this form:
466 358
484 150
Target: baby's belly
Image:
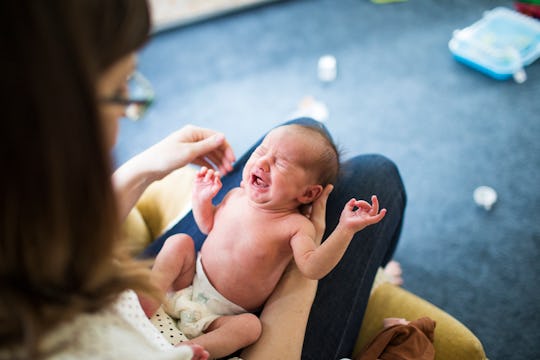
244 279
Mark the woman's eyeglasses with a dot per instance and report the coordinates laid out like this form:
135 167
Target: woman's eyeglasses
140 96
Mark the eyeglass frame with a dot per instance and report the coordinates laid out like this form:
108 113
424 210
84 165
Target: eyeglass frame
140 104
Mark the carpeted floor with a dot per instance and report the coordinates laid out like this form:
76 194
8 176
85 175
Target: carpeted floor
398 92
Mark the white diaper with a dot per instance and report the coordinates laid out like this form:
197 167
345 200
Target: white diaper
198 305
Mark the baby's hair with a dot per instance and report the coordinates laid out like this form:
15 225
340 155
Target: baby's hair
327 164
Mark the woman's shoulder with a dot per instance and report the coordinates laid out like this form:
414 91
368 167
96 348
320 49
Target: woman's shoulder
121 331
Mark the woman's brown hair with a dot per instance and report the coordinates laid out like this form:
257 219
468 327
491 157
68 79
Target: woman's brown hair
59 224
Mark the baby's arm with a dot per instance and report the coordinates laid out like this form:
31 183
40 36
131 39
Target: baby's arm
207 185
315 262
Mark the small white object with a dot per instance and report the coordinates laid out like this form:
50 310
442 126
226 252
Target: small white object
485 196
520 77
310 107
327 68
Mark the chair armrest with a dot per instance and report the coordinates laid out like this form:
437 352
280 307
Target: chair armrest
453 340
163 202
135 232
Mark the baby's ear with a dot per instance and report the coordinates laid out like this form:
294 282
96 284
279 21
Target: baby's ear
311 193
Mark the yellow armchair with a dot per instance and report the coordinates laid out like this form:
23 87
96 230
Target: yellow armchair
168 199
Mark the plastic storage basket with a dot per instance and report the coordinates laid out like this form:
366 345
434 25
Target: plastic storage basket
500 44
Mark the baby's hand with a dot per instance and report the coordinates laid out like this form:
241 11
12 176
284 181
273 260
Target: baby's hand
207 183
359 214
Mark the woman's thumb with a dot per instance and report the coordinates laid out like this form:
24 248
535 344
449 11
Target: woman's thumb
327 190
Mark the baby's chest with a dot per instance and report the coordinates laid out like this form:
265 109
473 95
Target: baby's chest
256 229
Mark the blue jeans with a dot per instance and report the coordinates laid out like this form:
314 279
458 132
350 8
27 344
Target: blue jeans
341 299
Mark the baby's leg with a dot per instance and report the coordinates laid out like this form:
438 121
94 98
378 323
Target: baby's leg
174 266
228 334
173 269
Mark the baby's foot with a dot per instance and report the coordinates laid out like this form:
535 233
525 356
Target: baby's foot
198 351
393 271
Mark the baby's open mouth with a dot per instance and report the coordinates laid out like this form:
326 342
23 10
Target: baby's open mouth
258 181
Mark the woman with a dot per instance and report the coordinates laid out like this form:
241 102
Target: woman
64 279
65 288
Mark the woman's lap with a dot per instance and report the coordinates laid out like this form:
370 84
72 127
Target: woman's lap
341 299
342 295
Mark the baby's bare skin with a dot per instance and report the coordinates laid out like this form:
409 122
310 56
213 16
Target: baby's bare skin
257 229
245 263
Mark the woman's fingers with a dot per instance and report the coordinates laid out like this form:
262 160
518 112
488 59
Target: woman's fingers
220 158
318 212
320 203
208 147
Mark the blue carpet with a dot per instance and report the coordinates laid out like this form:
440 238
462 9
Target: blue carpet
398 92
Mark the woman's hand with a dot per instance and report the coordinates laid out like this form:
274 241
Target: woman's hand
317 213
190 144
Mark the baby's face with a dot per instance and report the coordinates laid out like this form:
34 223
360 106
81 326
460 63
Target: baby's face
276 175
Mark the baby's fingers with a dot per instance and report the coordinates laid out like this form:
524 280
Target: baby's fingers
217 180
354 205
374 206
351 204
211 175
363 205
379 216
202 172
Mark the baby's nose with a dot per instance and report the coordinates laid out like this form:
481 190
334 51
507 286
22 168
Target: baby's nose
263 164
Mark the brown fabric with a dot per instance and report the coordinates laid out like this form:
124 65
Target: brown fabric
402 342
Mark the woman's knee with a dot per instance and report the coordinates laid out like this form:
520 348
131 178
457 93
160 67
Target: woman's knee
378 165
375 170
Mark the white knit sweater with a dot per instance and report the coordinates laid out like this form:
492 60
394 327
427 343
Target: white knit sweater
121 331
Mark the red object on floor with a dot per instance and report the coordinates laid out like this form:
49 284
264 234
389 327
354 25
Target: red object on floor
528 9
